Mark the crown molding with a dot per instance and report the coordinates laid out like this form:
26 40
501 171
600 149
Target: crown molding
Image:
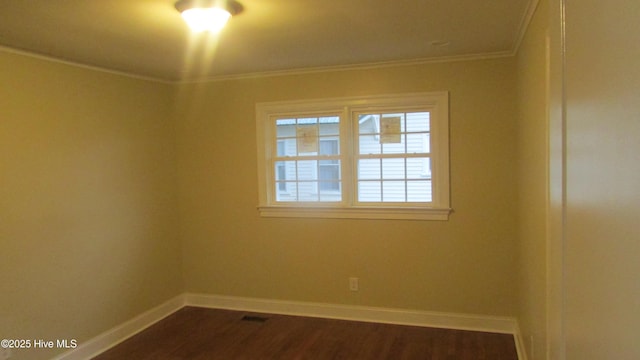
524 25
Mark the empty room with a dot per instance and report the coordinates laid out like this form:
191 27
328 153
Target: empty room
415 179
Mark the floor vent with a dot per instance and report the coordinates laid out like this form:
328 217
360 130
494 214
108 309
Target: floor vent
259 319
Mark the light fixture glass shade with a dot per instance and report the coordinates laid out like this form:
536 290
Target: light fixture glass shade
208 15
206 19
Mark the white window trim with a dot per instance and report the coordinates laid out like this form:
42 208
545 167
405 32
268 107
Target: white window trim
437 104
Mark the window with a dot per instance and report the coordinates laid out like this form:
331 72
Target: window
380 157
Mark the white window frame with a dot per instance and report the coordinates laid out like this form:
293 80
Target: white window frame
436 103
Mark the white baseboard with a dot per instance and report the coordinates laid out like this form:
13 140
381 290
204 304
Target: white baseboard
110 338
521 349
496 324
104 341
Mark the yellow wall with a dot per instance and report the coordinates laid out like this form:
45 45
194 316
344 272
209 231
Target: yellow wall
532 182
602 231
88 233
465 265
113 201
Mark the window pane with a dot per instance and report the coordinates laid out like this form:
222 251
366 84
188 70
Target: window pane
369 169
369 144
308 191
393 169
307 170
419 191
286 128
369 124
286 147
393 191
289 193
369 191
285 170
281 148
330 125
308 121
330 195
329 170
418 122
418 143
394 148
281 175
329 186
329 146
418 168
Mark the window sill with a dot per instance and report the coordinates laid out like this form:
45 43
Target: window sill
441 214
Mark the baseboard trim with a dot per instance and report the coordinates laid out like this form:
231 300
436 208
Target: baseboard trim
521 349
496 324
111 338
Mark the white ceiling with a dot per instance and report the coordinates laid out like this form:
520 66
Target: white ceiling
149 38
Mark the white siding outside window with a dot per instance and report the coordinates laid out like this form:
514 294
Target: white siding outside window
394 171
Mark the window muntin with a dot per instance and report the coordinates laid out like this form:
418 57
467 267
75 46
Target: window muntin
382 157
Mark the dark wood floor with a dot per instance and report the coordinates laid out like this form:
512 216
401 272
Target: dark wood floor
197 333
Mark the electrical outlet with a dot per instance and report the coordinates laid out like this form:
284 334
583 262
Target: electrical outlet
353 284
5 354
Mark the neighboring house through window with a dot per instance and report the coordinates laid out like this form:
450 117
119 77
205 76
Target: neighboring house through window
361 157
329 170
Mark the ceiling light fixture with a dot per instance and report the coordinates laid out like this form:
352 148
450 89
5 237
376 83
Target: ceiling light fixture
208 15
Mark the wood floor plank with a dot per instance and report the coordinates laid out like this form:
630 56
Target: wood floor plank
204 334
